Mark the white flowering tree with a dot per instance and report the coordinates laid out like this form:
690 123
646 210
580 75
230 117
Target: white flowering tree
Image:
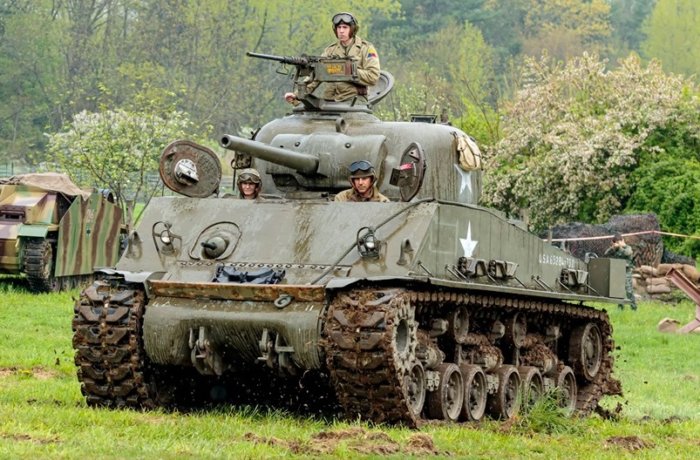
577 132
117 150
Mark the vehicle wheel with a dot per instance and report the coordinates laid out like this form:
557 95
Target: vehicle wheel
39 266
505 402
475 393
445 403
532 385
586 351
415 388
567 389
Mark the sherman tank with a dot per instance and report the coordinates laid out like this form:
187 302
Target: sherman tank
426 307
55 233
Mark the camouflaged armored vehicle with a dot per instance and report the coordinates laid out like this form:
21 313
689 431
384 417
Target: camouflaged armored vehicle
426 307
55 233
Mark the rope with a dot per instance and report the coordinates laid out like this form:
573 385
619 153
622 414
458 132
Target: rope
608 237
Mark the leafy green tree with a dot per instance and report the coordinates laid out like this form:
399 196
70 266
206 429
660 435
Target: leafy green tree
577 133
29 79
117 150
673 34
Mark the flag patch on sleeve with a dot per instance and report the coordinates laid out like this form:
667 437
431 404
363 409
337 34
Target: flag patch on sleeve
371 52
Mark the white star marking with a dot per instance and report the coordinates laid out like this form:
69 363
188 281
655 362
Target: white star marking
467 243
465 180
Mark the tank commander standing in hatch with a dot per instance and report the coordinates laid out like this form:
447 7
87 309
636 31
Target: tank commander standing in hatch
249 184
362 179
620 250
362 52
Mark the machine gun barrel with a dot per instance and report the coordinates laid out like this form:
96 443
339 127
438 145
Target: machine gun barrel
298 161
293 60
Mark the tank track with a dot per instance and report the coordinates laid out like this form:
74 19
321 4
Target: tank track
359 341
38 265
108 346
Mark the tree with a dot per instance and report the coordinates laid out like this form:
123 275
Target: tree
576 133
673 34
117 149
626 19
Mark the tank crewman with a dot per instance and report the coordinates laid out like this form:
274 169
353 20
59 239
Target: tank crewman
249 184
364 188
345 28
620 250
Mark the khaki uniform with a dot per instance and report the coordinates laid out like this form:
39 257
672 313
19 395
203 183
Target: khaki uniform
351 195
367 65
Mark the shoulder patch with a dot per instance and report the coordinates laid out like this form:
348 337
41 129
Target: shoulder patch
371 52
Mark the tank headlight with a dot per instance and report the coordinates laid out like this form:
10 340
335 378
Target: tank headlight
165 237
367 243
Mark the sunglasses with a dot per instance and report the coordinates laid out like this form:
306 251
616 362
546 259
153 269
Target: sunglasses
343 17
360 165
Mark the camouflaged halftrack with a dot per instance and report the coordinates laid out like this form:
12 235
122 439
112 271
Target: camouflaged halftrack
54 233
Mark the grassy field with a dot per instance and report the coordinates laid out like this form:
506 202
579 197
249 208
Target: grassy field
43 415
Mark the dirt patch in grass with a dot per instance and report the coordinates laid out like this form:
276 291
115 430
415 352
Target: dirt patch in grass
630 443
39 373
355 439
28 438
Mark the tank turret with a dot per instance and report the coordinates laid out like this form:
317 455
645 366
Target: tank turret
426 307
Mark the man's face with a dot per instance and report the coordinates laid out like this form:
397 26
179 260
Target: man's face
342 31
248 189
363 185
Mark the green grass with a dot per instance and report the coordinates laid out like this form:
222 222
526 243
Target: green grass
43 415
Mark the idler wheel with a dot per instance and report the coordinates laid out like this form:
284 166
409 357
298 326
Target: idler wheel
445 403
532 385
416 388
586 351
566 389
404 338
505 402
475 393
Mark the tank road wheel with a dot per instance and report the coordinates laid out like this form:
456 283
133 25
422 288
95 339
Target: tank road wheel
415 388
475 393
566 389
445 403
532 385
109 348
586 350
505 402
39 266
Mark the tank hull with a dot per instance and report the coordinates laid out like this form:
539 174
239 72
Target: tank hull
450 286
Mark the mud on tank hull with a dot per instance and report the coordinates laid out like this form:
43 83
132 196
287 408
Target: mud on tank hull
451 313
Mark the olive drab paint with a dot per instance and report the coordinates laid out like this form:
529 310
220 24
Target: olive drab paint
404 295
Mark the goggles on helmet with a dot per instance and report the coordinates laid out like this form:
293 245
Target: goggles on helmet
248 177
362 165
345 18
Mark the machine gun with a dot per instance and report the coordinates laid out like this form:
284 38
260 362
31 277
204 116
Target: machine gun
314 69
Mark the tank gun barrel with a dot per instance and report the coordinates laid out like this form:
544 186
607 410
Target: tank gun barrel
298 161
